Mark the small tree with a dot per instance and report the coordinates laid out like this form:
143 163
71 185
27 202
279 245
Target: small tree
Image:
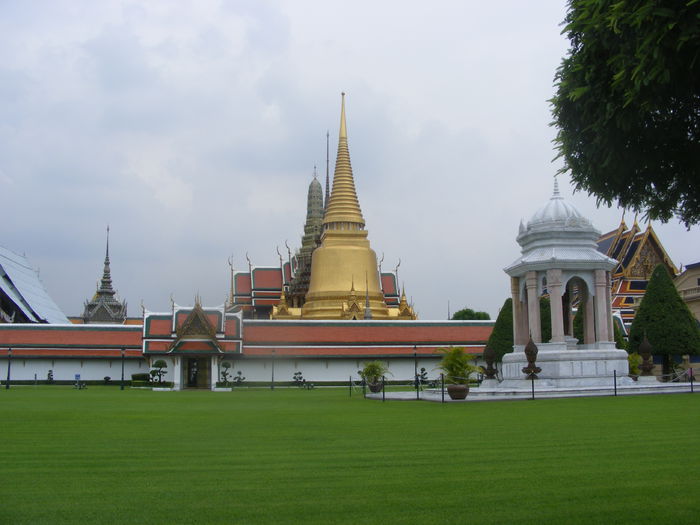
457 366
665 319
373 371
159 372
467 314
225 366
238 378
298 379
423 376
501 339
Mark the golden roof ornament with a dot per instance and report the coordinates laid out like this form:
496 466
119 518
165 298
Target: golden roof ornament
343 211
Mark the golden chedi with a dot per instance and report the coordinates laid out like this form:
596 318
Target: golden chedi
344 277
343 280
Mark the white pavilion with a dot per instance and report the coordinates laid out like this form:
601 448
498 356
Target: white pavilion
560 258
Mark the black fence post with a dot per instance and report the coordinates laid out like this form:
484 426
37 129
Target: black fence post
690 371
9 365
123 354
383 392
532 382
350 387
364 388
442 387
615 381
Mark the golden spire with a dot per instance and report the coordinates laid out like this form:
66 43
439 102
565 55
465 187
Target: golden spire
343 211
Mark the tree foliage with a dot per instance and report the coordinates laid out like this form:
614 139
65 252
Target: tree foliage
501 339
456 364
467 314
665 318
578 330
627 104
545 319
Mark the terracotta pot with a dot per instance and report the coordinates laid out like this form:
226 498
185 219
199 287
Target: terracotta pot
457 391
375 387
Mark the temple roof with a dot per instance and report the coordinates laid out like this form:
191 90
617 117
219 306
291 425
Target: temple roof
558 235
104 306
21 284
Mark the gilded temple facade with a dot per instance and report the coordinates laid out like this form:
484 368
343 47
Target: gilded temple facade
637 253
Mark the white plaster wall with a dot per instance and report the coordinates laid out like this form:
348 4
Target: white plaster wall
326 369
252 369
65 369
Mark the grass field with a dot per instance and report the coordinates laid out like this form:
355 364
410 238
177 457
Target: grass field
295 456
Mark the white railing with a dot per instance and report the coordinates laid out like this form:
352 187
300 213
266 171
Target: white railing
690 293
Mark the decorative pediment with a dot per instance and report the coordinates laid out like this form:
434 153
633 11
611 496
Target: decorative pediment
197 325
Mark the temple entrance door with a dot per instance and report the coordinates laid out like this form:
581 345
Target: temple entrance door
198 372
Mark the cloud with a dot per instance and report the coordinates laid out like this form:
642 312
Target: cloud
193 128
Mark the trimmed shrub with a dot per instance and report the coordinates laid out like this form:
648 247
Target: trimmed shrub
666 320
501 339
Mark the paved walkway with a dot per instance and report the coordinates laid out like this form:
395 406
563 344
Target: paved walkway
495 394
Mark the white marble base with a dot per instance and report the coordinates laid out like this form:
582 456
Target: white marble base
489 383
647 380
565 367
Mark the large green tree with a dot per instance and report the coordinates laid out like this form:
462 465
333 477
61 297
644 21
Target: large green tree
627 104
467 314
501 339
665 319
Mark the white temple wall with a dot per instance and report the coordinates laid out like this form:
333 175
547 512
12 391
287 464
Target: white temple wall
326 369
65 369
259 370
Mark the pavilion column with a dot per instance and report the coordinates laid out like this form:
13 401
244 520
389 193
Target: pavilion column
519 319
568 314
602 308
588 319
554 286
608 301
524 321
533 306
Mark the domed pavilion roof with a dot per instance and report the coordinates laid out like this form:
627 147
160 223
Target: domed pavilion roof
558 236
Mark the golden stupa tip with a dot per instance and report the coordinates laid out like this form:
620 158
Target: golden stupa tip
343 128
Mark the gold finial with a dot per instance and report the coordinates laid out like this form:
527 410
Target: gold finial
343 209
231 294
343 128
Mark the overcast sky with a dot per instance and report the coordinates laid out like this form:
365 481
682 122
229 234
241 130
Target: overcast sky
192 129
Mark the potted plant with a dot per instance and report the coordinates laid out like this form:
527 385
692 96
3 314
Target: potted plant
372 373
456 365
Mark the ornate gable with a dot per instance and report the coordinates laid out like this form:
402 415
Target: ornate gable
196 325
649 254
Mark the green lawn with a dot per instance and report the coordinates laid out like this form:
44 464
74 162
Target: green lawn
295 456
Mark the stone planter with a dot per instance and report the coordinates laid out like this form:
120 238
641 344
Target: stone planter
457 391
375 387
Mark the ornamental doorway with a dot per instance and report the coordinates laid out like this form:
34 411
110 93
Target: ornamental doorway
198 372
